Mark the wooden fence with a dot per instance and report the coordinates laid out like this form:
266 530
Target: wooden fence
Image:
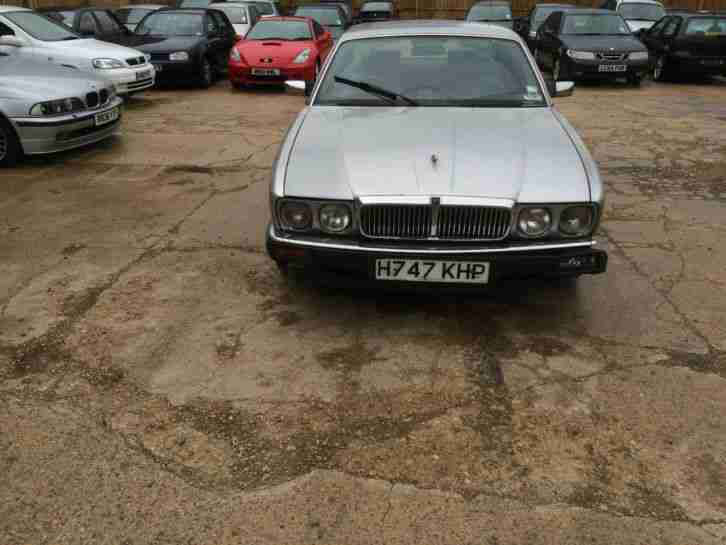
409 9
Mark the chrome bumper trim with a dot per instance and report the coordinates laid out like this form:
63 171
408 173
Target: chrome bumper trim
357 247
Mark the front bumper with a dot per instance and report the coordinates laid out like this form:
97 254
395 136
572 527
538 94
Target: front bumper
241 74
50 135
581 69
507 261
131 80
167 70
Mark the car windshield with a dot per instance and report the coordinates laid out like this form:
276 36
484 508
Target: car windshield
706 26
132 16
489 12
172 24
265 8
641 12
541 13
324 16
194 3
430 71
290 31
236 14
595 24
377 6
41 27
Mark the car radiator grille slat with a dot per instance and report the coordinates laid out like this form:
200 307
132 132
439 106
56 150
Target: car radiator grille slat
415 222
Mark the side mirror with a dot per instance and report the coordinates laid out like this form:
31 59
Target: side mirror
12 41
564 88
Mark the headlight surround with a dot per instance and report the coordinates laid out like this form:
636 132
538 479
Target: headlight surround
107 64
57 107
534 222
179 56
576 221
334 218
302 57
581 55
296 215
234 55
638 56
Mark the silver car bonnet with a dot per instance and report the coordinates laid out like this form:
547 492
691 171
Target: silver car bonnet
518 154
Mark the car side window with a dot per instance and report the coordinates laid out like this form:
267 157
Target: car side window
106 22
6 30
87 24
671 28
254 14
212 26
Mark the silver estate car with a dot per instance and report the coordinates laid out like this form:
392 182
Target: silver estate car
46 108
432 152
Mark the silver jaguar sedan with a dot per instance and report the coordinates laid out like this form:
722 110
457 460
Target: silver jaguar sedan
46 108
432 152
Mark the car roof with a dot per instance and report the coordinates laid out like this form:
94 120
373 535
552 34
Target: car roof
143 6
286 18
492 3
554 5
428 28
588 11
324 6
8 9
640 2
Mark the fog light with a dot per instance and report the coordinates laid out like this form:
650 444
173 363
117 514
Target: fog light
334 218
576 221
296 215
534 222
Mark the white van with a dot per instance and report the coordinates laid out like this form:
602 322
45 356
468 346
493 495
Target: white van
24 32
639 14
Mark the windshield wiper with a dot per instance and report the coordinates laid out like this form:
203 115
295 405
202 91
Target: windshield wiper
375 90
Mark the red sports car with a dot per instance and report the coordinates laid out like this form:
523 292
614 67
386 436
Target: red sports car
278 49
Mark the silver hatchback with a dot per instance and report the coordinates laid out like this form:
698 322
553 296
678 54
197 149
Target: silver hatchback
432 152
46 108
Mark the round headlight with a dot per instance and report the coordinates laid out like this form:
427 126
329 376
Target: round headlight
576 221
334 218
534 222
296 215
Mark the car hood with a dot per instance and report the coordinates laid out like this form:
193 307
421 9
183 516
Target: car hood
163 44
93 49
522 154
280 52
639 24
24 79
603 43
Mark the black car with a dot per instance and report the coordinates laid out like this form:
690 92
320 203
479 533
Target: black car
590 43
330 16
527 27
99 23
687 44
187 44
376 11
496 12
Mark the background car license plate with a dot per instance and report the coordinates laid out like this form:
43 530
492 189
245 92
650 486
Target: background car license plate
420 270
612 68
146 74
104 118
265 72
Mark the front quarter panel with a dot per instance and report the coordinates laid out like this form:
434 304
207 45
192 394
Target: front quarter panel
279 167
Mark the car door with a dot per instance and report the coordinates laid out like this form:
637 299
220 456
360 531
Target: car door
253 15
651 37
547 39
667 36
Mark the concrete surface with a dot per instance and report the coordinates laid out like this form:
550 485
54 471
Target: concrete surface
160 383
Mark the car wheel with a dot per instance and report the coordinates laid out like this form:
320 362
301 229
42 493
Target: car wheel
310 84
9 145
659 69
556 70
206 74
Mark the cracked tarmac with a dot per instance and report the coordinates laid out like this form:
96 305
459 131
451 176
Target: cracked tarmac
160 383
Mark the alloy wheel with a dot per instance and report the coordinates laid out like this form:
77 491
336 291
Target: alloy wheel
658 68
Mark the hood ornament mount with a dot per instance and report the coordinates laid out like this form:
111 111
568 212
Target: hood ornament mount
434 160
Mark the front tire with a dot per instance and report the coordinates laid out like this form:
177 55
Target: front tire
206 74
9 145
660 69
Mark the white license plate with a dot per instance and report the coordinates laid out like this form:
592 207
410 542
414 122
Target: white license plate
421 270
265 72
612 68
104 118
146 74
158 67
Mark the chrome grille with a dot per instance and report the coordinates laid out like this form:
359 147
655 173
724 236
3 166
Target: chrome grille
611 56
473 223
410 222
